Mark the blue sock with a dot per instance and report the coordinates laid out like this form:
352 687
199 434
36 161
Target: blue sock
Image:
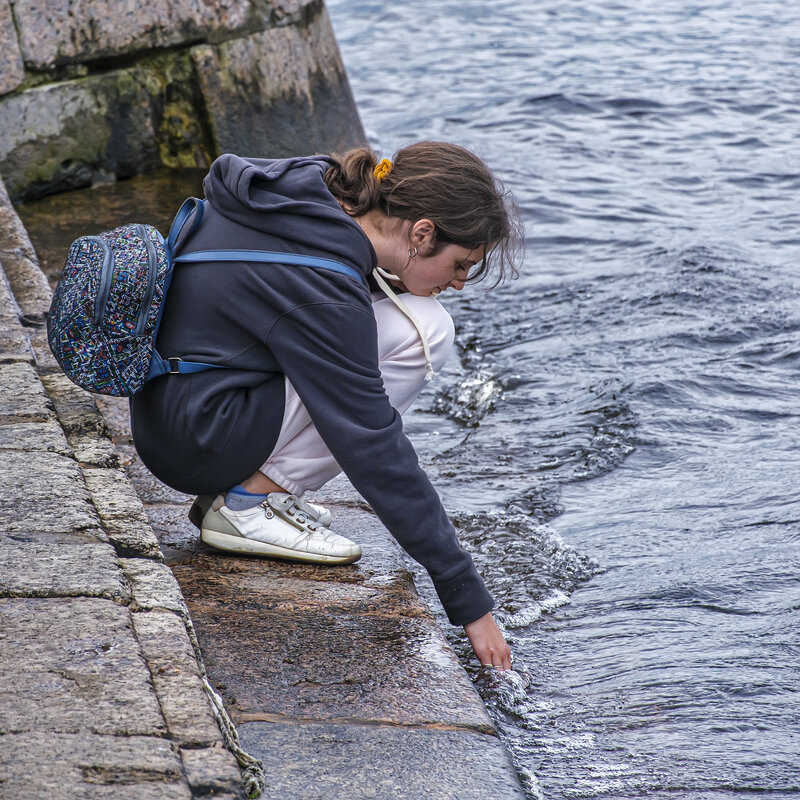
239 499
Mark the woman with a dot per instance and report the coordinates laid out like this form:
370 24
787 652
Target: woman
318 368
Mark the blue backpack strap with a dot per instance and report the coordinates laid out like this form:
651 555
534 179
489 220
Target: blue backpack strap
190 205
272 258
176 366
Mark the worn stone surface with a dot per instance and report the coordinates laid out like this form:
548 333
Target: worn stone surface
381 763
13 236
212 771
121 513
22 397
30 287
312 665
76 409
12 71
153 585
76 667
269 585
59 565
81 30
66 135
173 666
85 766
14 344
82 422
43 492
280 92
46 436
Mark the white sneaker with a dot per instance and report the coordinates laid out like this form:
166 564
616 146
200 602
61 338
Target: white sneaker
315 513
279 528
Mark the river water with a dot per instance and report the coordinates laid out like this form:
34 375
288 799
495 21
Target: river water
616 439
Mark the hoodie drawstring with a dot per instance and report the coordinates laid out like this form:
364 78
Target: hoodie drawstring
380 275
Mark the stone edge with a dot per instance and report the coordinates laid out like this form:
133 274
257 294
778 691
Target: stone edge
177 676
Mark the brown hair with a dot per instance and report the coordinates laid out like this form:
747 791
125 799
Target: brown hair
444 183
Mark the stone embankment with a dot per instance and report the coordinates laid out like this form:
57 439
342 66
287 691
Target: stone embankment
339 679
96 90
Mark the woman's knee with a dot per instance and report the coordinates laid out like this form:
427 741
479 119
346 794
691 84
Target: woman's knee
399 331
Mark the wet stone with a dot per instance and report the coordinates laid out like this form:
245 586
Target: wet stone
121 513
73 666
382 763
43 492
22 397
177 537
176 677
46 436
90 767
59 135
381 566
247 583
59 565
313 665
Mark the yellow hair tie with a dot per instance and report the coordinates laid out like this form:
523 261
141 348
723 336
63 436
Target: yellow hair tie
383 168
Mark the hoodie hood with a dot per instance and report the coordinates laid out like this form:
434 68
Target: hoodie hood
287 198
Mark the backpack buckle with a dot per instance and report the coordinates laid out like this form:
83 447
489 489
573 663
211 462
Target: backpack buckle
173 365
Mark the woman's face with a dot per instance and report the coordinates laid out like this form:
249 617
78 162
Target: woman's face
449 267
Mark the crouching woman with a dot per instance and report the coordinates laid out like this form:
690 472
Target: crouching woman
319 364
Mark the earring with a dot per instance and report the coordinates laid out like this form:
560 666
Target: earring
412 252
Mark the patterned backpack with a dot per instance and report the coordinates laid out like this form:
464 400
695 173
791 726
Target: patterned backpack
107 307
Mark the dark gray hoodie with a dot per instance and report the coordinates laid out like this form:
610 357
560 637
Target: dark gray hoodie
205 432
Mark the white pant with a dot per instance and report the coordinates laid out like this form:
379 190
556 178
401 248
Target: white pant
300 460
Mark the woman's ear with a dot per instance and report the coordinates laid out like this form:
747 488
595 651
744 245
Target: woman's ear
423 235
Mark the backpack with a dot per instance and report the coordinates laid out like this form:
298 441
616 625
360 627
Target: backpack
104 318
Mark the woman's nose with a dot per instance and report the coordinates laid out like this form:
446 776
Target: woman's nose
457 284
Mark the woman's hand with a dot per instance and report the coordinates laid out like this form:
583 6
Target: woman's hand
488 643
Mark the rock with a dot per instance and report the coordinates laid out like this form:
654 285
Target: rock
43 492
280 92
22 398
59 565
121 513
68 766
154 586
54 33
64 135
173 666
12 71
73 665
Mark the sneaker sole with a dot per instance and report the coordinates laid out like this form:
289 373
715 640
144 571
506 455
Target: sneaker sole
238 544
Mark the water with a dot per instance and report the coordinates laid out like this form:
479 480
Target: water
617 437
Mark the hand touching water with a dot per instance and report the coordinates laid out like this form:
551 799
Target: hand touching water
488 642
